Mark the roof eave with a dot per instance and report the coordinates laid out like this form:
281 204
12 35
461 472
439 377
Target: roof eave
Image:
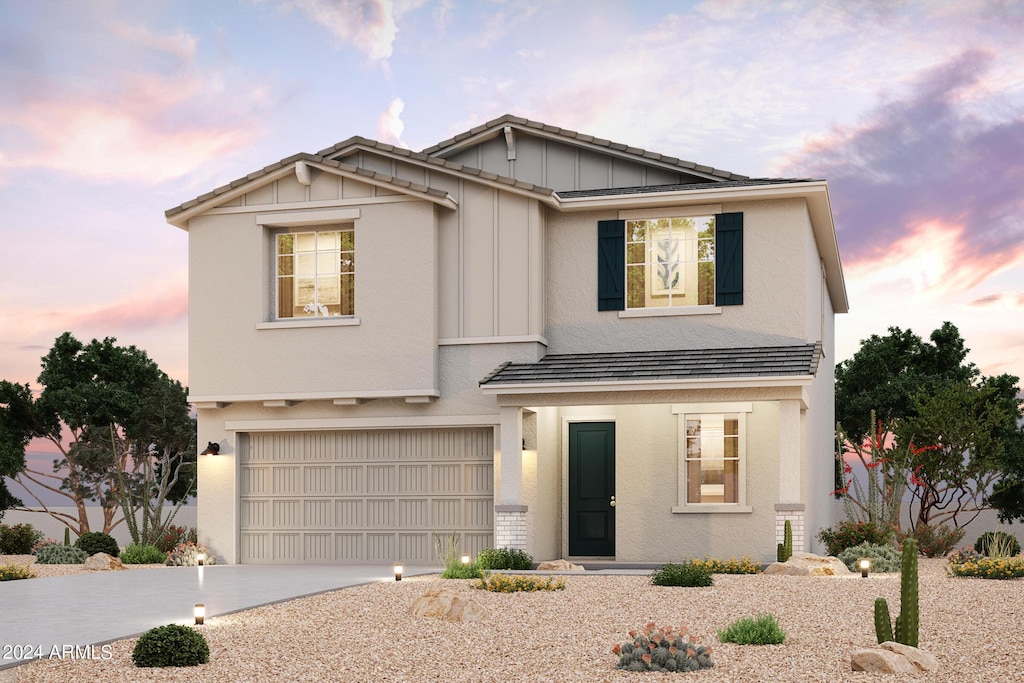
756 381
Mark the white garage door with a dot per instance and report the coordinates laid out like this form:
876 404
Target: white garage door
370 496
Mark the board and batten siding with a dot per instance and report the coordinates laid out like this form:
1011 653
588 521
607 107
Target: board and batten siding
364 496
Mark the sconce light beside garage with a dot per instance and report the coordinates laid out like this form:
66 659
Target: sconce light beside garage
211 449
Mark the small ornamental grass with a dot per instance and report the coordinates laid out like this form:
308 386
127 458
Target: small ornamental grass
762 629
451 559
14 572
986 567
142 554
505 583
687 574
171 645
744 565
883 558
662 649
997 544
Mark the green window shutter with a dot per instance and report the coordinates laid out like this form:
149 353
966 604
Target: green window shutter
611 265
729 259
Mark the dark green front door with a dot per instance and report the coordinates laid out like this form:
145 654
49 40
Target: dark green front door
592 489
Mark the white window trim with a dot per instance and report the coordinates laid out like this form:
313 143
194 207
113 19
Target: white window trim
683 410
318 222
669 311
286 323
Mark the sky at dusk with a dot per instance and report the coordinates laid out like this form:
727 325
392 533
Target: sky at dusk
112 112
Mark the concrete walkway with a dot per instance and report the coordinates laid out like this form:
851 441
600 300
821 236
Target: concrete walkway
99 607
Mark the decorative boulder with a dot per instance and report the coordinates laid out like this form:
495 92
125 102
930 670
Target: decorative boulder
445 604
808 564
892 658
559 566
101 562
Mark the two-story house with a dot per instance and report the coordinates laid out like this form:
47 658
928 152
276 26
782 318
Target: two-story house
529 336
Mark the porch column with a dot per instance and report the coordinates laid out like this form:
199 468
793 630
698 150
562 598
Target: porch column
790 505
509 511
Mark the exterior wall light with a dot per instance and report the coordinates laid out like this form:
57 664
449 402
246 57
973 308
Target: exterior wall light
865 564
200 613
212 448
398 572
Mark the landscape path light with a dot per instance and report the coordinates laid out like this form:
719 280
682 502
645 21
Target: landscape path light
398 572
865 564
200 613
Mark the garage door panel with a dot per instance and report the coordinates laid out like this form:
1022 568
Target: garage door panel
364 497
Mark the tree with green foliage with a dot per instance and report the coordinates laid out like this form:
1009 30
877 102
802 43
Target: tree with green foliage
15 410
951 436
113 415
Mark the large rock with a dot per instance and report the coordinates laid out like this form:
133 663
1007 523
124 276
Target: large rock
101 562
445 604
892 658
559 566
808 564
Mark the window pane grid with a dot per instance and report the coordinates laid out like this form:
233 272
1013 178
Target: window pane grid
670 262
316 274
712 459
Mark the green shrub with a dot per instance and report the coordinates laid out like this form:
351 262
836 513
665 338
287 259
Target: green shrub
687 574
744 565
997 544
18 539
13 572
142 554
988 568
964 555
173 536
847 534
94 542
171 645
504 583
762 629
187 555
884 558
43 542
462 571
662 649
935 541
504 558
61 554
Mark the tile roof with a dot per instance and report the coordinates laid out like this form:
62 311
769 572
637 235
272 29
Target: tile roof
642 366
680 187
303 156
528 124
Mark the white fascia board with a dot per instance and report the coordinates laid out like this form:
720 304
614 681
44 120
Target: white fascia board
181 219
650 385
336 423
316 396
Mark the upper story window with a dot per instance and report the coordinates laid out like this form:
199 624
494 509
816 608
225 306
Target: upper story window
316 274
670 262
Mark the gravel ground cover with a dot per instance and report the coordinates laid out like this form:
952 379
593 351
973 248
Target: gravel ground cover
44 570
367 633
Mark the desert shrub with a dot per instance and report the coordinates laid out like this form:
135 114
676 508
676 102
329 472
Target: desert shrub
884 558
997 544
847 534
762 629
504 583
662 649
686 574
42 543
187 555
935 541
504 558
171 645
13 572
142 554
173 536
462 571
744 565
94 542
988 568
59 553
18 539
964 555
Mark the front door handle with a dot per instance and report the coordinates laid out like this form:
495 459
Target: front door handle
613 502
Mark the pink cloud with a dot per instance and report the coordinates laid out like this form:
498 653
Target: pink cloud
390 126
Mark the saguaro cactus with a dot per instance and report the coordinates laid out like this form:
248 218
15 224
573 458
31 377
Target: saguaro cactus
907 623
784 550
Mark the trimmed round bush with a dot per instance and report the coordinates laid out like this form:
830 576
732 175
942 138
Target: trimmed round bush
997 542
884 557
94 542
171 645
687 574
142 554
58 553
